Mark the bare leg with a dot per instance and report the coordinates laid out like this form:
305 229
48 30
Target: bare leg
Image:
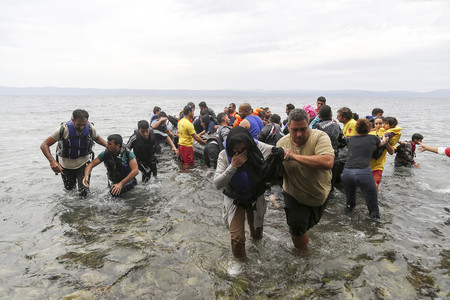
301 242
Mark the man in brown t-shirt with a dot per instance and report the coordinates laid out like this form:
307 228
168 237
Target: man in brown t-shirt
309 158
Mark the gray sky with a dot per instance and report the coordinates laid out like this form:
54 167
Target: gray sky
226 44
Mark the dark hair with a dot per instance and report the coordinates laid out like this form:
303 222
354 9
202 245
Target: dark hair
233 104
346 113
363 126
205 119
202 104
275 119
80 114
143 124
163 114
261 114
355 116
220 117
117 138
298 114
417 136
187 109
322 99
380 117
391 121
156 109
290 106
191 104
204 112
325 112
376 111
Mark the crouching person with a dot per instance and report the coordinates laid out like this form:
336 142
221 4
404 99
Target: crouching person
120 163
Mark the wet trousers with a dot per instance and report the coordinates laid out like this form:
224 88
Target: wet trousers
362 178
72 177
237 230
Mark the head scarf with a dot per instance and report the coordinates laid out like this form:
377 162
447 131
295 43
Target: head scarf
254 155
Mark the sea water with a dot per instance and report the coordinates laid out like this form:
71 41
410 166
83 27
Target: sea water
166 239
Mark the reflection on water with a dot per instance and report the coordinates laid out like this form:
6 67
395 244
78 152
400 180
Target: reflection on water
166 239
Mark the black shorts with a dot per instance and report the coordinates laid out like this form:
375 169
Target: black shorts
300 217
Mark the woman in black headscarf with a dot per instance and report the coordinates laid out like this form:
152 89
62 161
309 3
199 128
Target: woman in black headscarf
242 173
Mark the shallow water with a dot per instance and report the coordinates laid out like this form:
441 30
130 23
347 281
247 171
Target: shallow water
166 239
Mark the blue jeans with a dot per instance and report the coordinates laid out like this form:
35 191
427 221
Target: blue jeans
362 178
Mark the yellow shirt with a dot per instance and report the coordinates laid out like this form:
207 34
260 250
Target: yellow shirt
307 185
185 131
378 164
349 128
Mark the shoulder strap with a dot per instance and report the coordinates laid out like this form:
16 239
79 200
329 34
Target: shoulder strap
61 130
271 132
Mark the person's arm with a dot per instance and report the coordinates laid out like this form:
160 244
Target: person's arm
170 133
45 148
157 123
320 161
245 123
117 188
170 142
198 139
389 148
88 170
423 148
101 141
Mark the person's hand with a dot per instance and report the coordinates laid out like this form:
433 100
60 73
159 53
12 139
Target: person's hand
116 188
86 181
416 165
239 159
422 147
384 140
174 151
287 154
56 167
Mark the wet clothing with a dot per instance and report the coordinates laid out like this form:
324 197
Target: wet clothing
405 154
61 134
299 217
186 154
145 153
118 166
227 177
362 178
256 125
72 177
360 151
357 172
73 159
307 185
270 134
185 132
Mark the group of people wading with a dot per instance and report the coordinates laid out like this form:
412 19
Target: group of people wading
309 152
